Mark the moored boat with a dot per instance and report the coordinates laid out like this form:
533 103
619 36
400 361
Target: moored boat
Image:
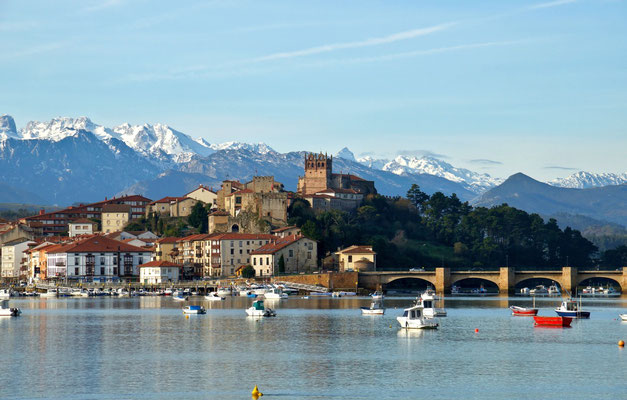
50 293
179 298
6 311
552 321
377 295
376 308
413 318
623 317
194 310
523 311
570 308
427 302
274 294
213 296
258 310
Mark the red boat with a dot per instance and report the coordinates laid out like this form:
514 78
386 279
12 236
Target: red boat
552 321
523 311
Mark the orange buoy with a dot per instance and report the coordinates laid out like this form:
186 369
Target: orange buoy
476 330
621 343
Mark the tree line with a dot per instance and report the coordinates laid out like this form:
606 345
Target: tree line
424 230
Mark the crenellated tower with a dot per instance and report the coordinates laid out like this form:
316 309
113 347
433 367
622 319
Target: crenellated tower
318 173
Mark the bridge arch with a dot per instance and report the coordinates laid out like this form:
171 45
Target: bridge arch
427 280
600 280
532 281
476 282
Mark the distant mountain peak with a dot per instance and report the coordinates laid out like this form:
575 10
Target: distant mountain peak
585 180
346 154
7 127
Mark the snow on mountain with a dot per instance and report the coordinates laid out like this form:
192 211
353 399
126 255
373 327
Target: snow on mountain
370 162
260 147
157 138
584 180
346 154
62 127
7 127
404 165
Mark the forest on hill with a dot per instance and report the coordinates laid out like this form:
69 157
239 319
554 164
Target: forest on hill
440 230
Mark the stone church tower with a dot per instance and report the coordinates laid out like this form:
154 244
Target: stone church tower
318 174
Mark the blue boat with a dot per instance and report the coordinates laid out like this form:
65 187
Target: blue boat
194 310
570 308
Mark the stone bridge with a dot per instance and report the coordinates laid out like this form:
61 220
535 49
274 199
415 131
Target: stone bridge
505 278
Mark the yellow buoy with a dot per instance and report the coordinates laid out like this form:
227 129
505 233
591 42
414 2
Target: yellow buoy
621 343
187 317
256 392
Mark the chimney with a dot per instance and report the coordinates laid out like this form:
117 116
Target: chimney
105 198
42 211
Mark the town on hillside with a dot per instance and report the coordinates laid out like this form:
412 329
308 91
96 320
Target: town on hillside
239 230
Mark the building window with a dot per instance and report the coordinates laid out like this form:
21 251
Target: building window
76 261
102 271
102 260
309 255
254 261
75 271
350 258
291 253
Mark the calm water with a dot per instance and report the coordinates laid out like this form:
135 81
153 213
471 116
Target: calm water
145 348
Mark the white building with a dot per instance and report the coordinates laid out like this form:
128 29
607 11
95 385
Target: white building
299 255
12 254
224 253
81 226
157 272
96 259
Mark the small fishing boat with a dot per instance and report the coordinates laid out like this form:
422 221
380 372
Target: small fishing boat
6 311
5 293
258 310
376 308
553 290
523 311
275 294
213 296
540 289
194 310
414 319
552 321
623 317
427 302
570 308
224 291
378 295
179 298
50 293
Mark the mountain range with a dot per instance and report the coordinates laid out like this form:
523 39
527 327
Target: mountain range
69 160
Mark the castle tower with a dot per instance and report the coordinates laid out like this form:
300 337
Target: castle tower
318 173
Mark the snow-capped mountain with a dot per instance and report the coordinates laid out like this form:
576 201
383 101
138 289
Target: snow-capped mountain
60 128
584 180
7 127
404 165
260 147
346 154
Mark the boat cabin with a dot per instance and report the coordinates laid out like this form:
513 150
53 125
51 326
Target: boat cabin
569 305
413 313
258 305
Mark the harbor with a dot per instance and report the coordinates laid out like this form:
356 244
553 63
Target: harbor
147 347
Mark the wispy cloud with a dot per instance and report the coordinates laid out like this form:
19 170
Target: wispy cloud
405 35
101 5
561 168
555 3
420 153
484 161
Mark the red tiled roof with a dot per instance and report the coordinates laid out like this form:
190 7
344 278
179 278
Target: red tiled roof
116 208
357 250
167 240
243 191
276 245
100 244
285 228
82 221
198 236
167 199
202 187
159 264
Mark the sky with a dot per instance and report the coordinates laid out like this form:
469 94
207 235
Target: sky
498 87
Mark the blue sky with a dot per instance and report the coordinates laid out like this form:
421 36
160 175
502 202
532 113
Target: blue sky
493 86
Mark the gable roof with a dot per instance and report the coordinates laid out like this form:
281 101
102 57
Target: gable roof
107 208
97 244
276 245
357 250
166 240
166 199
155 264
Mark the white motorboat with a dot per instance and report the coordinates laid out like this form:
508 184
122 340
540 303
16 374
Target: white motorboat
258 310
623 317
213 296
427 302
376 308
540 289
553 290
6 311
194 310
50 293
524 290
224 291
179 298
377 295
5 293
414 319
275 294
168 292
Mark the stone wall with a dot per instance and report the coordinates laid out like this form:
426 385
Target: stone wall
332 280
